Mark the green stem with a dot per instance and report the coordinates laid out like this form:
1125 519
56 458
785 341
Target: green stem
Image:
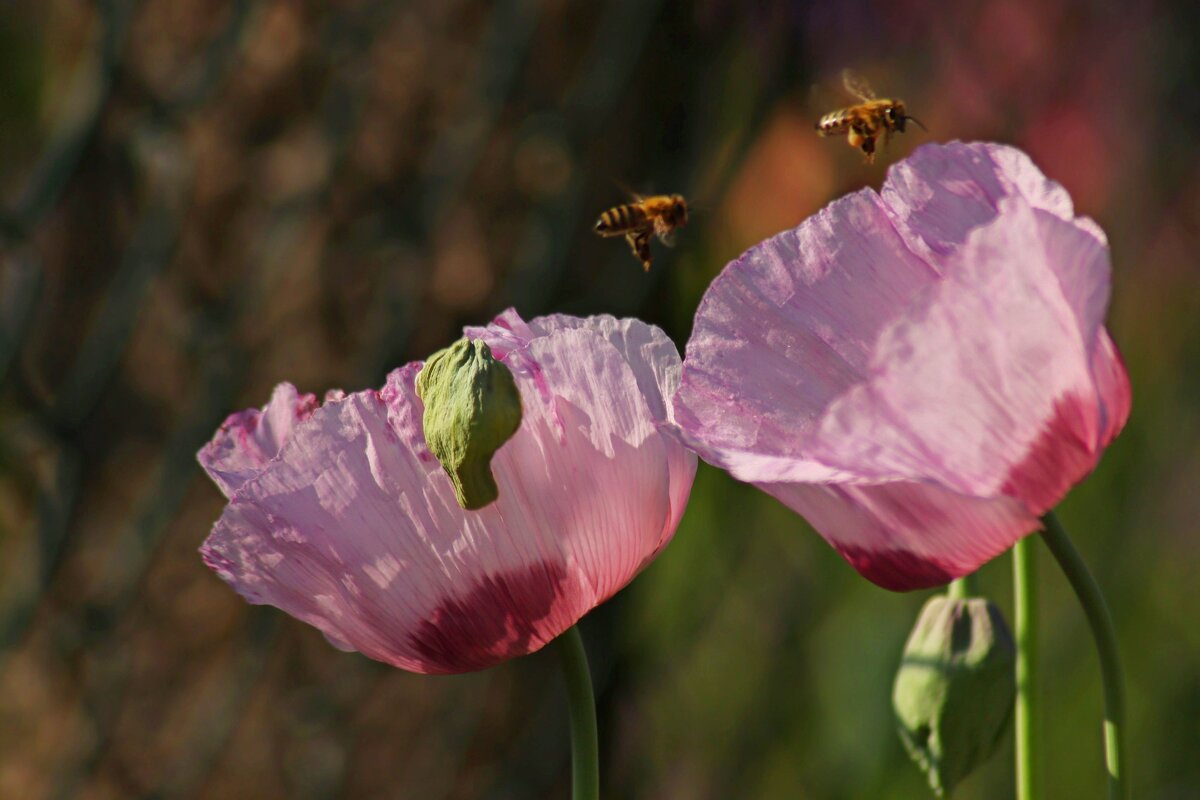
1025 602
585 742
960 588
1088 592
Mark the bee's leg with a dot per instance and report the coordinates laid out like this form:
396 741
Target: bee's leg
868 147
639 243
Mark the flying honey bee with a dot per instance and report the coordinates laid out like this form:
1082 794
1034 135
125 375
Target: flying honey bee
866 122
660 216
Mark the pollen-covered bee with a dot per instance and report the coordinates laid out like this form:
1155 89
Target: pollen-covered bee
660 216
866 122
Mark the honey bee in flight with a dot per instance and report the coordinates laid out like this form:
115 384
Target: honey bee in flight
866 122
660 216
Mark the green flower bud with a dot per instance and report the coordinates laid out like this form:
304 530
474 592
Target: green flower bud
955 687
472 407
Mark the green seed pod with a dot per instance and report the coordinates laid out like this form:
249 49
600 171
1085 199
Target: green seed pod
955 687
472 407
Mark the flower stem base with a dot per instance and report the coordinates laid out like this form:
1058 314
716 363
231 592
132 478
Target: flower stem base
1025 613
585 741
1103 631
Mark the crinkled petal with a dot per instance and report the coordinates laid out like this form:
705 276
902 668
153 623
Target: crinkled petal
984 386
652 357
788 328
507 332
248 440
941 192
354 527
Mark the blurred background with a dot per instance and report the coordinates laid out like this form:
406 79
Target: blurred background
202 198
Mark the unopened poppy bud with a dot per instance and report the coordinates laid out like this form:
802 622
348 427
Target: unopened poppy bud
955 687
472 407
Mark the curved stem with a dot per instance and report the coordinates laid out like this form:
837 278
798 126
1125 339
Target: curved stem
1025 611
1088 592
585 741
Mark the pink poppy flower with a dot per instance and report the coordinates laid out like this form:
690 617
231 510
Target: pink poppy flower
339 514
920 373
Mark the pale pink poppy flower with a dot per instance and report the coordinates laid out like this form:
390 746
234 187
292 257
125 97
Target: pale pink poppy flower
920 373
339 514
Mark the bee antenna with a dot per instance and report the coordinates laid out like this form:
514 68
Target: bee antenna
920 124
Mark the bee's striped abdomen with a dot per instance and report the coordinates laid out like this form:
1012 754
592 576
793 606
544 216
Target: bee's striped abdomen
834 122
620 219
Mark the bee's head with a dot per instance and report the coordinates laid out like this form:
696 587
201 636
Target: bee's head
897 117
679 210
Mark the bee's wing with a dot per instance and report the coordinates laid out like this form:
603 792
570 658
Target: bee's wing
637 198
857 85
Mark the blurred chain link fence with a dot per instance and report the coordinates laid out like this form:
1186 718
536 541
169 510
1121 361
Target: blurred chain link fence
222 194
